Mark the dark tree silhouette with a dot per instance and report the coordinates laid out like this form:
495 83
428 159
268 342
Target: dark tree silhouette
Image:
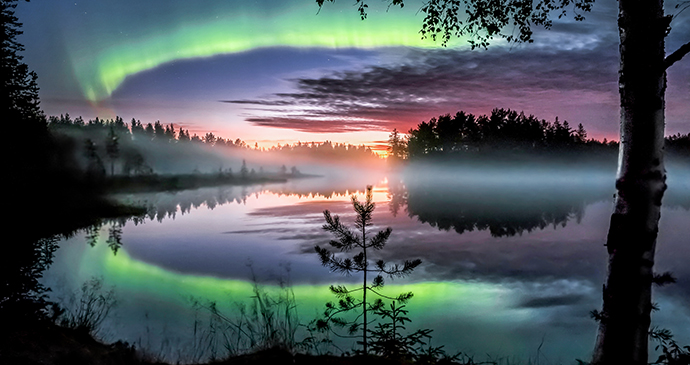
244 172
346 241
170 132
210 139
641 179
150 132
159 131
112 148
138 132
94 168
183 136
679 145
32 165
19 93
504 130
397 148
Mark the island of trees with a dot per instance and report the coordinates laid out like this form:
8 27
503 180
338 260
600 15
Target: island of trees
508 134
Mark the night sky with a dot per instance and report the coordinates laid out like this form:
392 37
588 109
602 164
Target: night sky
280 71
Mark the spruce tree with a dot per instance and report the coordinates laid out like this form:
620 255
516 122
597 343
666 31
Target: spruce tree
33 161
112 148
361 241
19 89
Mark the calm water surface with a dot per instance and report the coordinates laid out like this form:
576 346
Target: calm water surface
511 266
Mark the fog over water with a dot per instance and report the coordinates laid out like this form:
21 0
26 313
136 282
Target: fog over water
511 258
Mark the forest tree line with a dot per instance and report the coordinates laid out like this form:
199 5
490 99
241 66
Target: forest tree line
325 150
110 147
504 131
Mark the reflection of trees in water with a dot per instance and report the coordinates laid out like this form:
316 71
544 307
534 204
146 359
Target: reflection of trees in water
338 183
166 205
160 206
677 195
326 193
23 297
510 200
114 240
504 209
505 206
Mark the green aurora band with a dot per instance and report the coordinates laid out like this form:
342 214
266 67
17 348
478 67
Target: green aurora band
102 66
137 276
433 304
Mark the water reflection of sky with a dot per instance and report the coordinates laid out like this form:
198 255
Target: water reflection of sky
480 293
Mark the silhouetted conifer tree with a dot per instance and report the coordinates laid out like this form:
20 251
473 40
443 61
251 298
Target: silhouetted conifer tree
210 139
36 164
244 172
112 148
397 148
346 241
159 131
170 132
137 129
94 169
182 135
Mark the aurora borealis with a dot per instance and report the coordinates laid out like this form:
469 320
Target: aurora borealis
480 294
281 71
237 30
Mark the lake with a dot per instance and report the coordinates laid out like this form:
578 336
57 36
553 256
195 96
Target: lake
512 259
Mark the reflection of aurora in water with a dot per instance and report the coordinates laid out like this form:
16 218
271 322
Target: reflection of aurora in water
481 294
154 302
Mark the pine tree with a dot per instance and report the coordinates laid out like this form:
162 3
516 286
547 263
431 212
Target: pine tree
397 148
243 170
150 131
112 148
19 89
159 131
41 173
346 241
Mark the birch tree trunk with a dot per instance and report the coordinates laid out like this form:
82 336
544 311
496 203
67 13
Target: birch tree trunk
640 183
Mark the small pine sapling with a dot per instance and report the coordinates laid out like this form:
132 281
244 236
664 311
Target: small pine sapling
346 241
387 339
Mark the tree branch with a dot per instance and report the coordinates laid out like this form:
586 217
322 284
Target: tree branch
677 55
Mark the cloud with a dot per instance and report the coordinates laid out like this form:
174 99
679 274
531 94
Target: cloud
259 102
577 85
551 301
259 231
318 125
